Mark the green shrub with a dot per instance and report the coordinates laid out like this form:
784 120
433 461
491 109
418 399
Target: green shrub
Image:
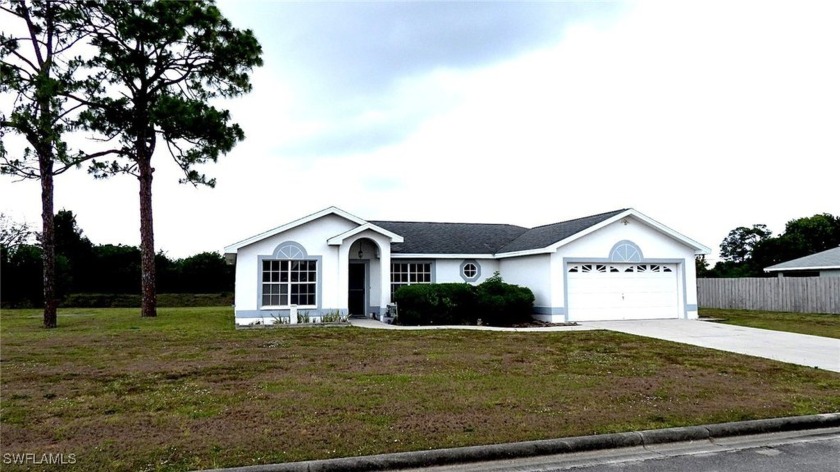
493 301
449 303
457 303
418 304
503 304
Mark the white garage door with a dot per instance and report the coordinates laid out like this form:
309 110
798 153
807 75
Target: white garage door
616 291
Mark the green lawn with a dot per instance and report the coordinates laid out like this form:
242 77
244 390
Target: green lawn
186 390
805 323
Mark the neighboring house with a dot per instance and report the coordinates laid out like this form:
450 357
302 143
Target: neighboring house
826 263
616 265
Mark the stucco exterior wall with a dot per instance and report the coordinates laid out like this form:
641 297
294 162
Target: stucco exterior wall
313 238
449 270
533 272
654 245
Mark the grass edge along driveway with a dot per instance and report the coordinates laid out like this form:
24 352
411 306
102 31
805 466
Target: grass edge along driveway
186 390
815 324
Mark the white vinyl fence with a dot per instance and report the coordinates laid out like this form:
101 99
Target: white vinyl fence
793 294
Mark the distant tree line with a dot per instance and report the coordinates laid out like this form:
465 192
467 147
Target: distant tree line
84 267
746 251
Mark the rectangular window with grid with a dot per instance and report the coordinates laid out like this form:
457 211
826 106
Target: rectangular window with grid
289 282
408 273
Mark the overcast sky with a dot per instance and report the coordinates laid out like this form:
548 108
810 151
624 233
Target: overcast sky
702 115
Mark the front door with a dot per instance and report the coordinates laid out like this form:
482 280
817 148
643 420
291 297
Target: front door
358 287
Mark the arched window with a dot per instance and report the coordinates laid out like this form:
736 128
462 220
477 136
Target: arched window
289 277
289 250
625 251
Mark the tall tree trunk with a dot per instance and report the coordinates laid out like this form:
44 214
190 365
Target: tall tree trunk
48 240
147 238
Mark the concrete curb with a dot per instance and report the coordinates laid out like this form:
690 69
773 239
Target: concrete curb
460 455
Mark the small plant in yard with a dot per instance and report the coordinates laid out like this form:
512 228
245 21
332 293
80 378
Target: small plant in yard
303 317
332 316
277 319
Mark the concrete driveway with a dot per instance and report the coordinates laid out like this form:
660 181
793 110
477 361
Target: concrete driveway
801 349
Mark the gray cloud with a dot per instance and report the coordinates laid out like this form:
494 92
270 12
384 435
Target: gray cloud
362 47
348 137
343 58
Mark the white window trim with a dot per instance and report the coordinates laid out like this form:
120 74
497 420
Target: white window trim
289 251
289 284
410 265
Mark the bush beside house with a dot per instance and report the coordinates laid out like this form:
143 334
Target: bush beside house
501 304
494 302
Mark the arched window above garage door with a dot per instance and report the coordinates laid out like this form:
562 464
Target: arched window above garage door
625 251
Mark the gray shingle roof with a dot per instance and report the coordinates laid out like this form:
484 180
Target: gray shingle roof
473 238
450 238
826 259
543 236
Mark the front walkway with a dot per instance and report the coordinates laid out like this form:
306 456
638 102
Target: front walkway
369 323
800 349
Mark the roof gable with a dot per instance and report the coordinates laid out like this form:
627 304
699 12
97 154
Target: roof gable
337 240
294 224
829 259
698 248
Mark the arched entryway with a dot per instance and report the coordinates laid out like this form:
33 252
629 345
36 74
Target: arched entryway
363 271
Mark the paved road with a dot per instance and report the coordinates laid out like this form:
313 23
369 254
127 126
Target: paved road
800 451
801 349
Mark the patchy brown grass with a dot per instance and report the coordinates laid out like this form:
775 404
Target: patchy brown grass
815 324
187 391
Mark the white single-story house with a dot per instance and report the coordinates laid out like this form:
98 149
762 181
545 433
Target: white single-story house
615 265
826 263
